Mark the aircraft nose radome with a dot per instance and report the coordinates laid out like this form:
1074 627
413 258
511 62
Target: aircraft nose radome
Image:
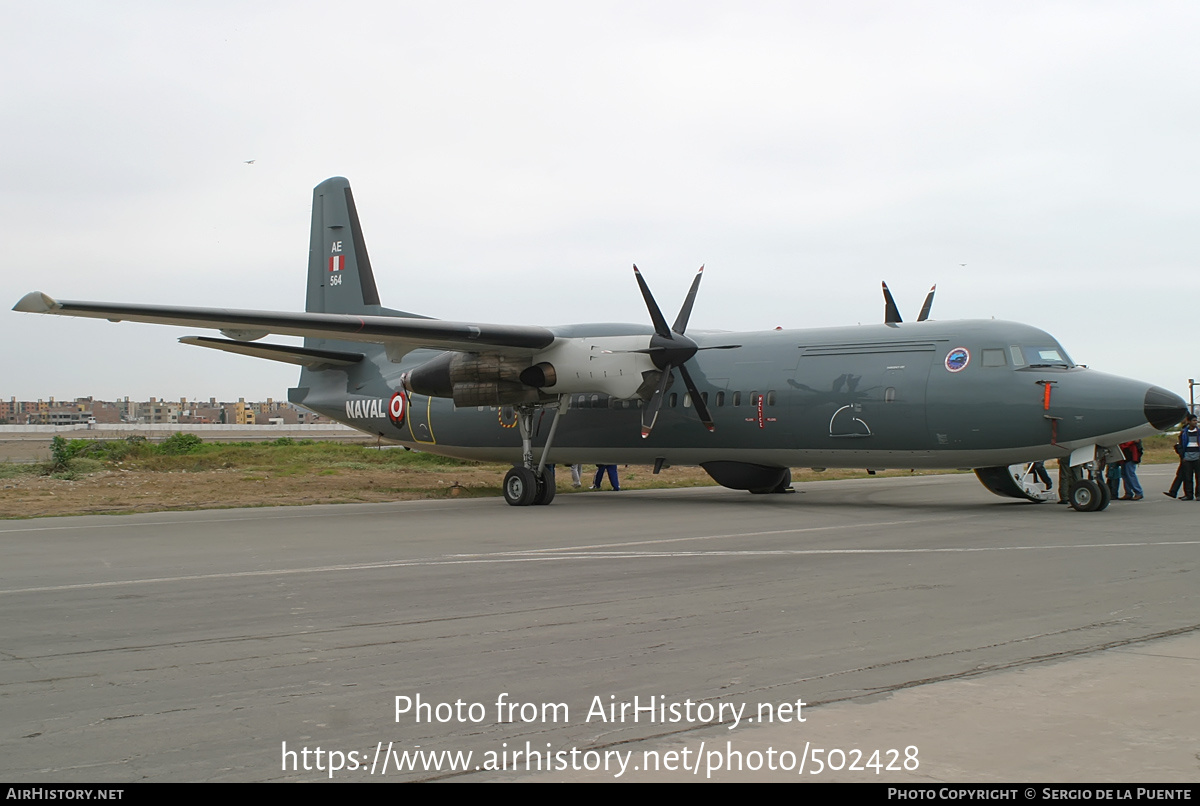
1163 409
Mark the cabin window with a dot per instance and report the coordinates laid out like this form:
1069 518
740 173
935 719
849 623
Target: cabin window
771 398
721 398
737 398
704 397
889 395
994 358
754 398
673 400
687 400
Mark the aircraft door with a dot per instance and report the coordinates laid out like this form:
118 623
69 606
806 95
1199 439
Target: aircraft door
901 405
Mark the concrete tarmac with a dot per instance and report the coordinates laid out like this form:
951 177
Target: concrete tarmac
965 637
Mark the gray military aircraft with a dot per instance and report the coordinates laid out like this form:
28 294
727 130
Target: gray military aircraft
925 394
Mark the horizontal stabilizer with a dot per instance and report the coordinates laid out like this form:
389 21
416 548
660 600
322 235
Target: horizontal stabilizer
394 331
313 359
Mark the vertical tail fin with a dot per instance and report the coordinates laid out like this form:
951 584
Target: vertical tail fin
340 279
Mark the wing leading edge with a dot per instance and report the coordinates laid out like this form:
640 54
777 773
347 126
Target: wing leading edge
246 326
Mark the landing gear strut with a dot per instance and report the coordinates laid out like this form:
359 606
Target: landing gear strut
530 483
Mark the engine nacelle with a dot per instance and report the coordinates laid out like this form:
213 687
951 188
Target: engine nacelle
473 379
604 365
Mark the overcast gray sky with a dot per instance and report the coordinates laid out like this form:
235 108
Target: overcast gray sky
511 160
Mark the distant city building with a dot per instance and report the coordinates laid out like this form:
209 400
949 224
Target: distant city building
87 410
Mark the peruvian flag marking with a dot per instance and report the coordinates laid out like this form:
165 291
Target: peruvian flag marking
337 262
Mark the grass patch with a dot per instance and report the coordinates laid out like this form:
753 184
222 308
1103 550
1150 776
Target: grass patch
13 470
187 452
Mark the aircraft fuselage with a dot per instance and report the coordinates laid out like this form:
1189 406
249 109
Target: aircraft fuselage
920 395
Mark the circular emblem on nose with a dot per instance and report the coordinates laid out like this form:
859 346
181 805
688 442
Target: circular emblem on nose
957 359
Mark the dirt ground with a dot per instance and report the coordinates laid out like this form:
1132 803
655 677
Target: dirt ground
122 491
115 490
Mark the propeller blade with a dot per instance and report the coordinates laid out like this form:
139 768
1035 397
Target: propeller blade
669 349
891 314
928 305
660 324
697 399
650 413
685 313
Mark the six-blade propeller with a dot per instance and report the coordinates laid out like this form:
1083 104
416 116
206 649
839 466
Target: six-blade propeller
669 350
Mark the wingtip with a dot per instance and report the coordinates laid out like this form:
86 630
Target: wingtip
35 302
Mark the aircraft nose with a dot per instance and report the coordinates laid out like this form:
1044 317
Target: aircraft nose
1163 409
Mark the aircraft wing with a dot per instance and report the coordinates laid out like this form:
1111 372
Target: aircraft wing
245 326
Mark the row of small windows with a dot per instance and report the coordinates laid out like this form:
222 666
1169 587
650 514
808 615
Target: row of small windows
721 399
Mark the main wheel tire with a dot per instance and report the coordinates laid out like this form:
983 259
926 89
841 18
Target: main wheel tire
520 487
1085 496
1105 496
545 487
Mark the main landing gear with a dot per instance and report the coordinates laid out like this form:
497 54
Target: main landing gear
523 487
532 484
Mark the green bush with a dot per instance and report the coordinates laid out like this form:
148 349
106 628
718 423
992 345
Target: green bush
179 445
60 455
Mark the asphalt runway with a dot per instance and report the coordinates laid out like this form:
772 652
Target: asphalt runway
964 636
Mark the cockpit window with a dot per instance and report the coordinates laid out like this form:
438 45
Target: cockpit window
994 358
1046 356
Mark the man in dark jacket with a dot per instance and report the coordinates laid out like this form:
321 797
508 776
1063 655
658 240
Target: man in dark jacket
1189 454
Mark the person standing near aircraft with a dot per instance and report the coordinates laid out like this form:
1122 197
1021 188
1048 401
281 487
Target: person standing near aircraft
1189 452
1133 455
1039 470
611 470
1112 476
1067 476
1173 492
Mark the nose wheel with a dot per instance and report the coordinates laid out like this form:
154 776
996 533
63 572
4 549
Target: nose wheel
1088 496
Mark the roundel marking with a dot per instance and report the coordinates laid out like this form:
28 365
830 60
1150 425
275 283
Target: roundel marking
957 359
396 408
